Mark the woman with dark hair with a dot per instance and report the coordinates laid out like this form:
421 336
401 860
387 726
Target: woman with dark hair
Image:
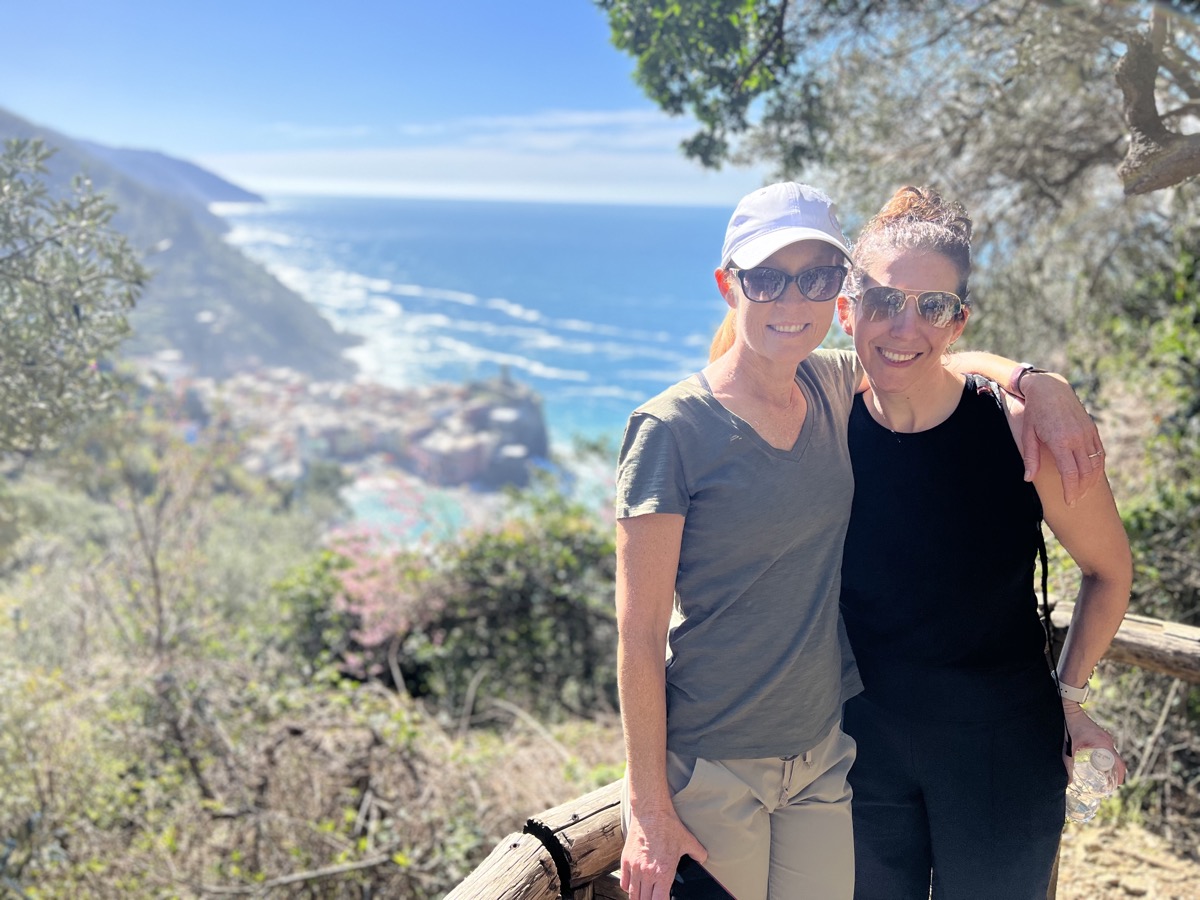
962 765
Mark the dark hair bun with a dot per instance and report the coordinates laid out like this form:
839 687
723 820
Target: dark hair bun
922 204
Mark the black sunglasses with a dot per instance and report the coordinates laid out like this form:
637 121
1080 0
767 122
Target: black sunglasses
819 284
938 308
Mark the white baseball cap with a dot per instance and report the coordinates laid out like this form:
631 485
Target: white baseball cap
774 216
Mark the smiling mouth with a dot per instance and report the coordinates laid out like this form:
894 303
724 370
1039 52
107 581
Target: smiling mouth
893 356
788 329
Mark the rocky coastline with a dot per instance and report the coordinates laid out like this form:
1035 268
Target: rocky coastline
484 435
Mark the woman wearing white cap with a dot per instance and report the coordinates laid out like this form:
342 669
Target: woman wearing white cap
733 496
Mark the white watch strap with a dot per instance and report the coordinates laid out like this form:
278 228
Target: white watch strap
1069 692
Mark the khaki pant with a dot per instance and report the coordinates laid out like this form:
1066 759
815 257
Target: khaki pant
774 829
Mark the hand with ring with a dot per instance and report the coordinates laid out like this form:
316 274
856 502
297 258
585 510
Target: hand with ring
1055 417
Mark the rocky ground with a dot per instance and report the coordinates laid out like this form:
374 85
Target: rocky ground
1115 863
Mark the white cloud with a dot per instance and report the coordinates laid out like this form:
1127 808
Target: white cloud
547 120
560 118
303 133
627 156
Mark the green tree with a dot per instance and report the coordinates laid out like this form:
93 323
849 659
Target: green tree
67 283
1161 346
1078 85
1023 111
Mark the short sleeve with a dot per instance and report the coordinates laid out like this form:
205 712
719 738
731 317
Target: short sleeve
850 372
650 475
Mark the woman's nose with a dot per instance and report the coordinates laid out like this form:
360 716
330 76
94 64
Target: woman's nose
792 292
906 320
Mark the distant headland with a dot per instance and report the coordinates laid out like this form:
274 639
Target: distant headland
206 301
219 327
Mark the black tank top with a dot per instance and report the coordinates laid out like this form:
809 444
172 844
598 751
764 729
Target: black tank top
938 571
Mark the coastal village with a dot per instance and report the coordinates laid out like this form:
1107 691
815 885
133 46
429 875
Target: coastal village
480 434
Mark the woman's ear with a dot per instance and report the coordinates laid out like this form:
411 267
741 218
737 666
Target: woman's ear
725 285
845 311
961 324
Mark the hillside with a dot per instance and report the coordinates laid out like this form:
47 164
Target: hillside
176 177
218 309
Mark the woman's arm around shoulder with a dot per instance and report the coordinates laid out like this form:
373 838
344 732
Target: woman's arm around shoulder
1055 418
648 549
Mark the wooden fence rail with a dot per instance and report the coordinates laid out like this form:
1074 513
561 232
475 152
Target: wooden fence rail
1151 644
569 851
577 845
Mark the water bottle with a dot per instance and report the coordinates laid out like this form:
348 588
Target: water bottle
1094 779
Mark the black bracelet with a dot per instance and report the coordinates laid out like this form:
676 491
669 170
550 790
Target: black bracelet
1025 369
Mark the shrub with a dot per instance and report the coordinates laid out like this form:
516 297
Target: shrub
521 613
524 614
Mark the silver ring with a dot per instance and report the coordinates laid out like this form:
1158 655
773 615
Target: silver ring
1094 455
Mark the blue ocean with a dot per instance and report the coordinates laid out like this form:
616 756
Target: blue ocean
596 307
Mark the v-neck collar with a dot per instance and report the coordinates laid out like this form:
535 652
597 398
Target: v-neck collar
746 430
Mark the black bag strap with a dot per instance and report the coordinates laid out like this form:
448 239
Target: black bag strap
1047 625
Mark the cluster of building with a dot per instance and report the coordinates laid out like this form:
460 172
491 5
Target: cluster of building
484 434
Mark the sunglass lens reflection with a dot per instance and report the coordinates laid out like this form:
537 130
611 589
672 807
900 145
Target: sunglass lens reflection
882 303
821 283
938 308
764 284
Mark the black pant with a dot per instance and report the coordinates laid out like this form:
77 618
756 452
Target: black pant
974 809
692 882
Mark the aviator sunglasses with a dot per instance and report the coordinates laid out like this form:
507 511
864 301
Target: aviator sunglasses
938 308
763 284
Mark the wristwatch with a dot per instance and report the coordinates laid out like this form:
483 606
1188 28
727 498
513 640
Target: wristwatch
1070 692
1019 372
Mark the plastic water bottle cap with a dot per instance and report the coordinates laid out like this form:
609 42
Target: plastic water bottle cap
1102 759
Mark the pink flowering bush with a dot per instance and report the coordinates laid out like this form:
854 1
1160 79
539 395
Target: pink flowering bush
520 613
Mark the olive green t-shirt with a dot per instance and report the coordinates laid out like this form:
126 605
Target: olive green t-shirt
759 665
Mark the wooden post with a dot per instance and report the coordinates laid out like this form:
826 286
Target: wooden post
519 868
584 836
606 887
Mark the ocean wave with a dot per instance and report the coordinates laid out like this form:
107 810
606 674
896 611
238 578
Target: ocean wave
386 307
534 367
234 208
329 289
613 330
347 292
516 310
661 377
589 372
341 291
525 337
600 392
254 234
417 290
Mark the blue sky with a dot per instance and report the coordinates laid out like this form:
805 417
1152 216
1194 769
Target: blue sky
503 99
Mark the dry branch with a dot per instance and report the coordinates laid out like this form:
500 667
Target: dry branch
296 878
1157 157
